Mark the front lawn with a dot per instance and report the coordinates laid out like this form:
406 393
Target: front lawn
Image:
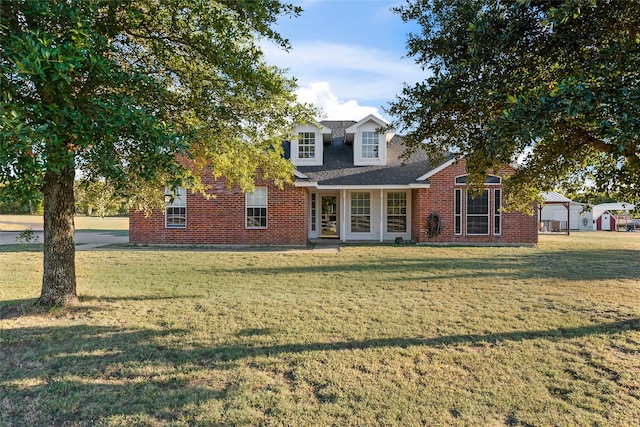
372 335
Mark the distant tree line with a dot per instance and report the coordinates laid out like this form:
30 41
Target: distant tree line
21 207
92 198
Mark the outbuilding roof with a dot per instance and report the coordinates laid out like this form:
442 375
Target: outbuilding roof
553 197
603 207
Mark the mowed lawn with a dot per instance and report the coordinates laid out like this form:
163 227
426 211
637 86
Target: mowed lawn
372 335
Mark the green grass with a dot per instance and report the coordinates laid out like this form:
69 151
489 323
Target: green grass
373 335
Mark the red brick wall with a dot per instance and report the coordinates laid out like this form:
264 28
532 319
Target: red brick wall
221 220
517 228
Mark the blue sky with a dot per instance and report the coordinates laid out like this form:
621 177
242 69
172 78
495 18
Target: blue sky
348 56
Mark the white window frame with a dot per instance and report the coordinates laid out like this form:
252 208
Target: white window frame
458 208
392 210
360 209
370 145
257 201
490 180
176 199
487 215
313 206
368 136
318 141
307 145
492 186
497 211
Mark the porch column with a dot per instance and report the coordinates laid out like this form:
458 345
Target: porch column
568 206
381 215
540 206
343 215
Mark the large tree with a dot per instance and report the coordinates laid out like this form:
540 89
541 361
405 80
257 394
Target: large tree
139 94
552 84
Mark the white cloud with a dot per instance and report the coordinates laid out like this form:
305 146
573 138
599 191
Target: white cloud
320 95
354 72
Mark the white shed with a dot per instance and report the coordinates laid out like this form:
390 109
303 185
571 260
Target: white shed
560 214
611 216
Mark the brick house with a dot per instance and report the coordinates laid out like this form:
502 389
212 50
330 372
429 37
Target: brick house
350 184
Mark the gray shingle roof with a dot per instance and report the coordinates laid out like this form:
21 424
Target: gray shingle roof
338 168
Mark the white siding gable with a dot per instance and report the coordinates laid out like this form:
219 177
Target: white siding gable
369 146
307 149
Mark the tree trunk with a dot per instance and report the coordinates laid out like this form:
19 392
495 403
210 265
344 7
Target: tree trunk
59 277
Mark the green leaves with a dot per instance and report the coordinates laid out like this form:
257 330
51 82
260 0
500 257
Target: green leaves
558 82
135 94
125 89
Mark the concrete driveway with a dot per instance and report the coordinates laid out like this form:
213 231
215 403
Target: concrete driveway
85 239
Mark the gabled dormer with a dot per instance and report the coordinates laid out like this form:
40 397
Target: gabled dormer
307 149
369 146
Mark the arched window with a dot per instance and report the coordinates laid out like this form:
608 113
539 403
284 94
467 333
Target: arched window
490 179
478 214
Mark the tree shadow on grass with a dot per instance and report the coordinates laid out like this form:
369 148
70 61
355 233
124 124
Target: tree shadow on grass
11 309
88 297
564 265
232 353
80 374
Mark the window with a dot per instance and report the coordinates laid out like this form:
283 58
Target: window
176 208
478 213
306 145
256 205
481 214
313 212
370 145
360 212
491 179
457 214
396 212
497 202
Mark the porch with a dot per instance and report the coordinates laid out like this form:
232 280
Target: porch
359 214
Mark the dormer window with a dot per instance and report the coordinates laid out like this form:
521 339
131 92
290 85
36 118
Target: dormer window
370 145
306 149
306 145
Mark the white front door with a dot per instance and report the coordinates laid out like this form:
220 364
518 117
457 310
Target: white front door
606 222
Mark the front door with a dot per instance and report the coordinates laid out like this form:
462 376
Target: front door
329 226
606 222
